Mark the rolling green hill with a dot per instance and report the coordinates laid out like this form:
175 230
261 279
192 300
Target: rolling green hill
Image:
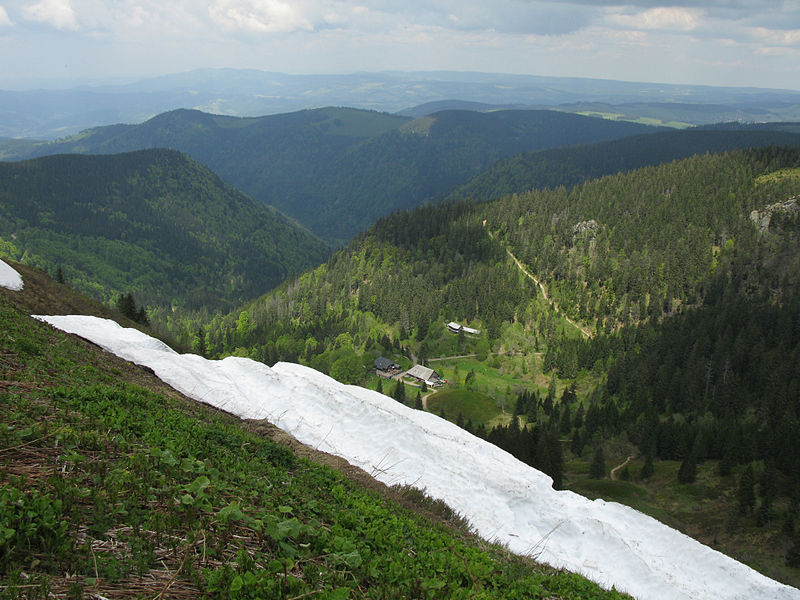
338 170
153 222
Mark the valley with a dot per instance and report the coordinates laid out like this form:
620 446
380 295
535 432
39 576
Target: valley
635 290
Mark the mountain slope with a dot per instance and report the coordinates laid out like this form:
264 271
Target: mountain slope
154 223
657 259
614 545
117 484
570 166
338 170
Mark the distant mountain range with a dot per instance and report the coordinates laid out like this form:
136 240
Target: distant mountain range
50 113
337 170
152 222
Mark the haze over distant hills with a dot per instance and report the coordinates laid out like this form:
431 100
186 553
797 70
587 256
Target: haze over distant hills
50 113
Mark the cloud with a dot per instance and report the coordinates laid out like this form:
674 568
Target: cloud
57 13
259 16
788 37
665 18
5 20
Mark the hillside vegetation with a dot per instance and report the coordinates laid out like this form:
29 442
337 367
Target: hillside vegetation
113 485
570 166
154 223
690 363
337 170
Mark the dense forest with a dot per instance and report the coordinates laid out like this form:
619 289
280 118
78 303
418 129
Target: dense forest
337 170
577 164
153 223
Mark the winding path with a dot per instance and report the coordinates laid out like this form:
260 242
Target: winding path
585 331
618 467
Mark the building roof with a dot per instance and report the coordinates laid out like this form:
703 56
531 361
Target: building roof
384 364
421 372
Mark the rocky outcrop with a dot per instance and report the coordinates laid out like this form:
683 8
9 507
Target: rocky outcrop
761 218
591 226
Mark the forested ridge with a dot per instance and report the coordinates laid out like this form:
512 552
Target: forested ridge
694 304
337 170
576 164
153 223
626 248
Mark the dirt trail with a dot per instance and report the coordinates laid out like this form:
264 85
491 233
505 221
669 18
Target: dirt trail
586 332
619 467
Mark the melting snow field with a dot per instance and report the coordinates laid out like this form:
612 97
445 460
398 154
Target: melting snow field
9 278
503 498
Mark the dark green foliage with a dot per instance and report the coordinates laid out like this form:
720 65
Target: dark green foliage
687 473
399 393
793 553
154 223
647 468
126 305
747 495
337 170
570 166
597 470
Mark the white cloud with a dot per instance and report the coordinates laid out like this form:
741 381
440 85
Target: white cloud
789 37
5 20
669 18
57 13
259 16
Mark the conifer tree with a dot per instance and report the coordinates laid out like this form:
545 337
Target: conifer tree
793 553
400 392
688 470
647 468
597 470
379 387
747 496
418 401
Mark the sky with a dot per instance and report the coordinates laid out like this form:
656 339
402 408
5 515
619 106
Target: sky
739 43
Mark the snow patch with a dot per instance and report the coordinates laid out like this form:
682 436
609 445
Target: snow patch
9 278
503 498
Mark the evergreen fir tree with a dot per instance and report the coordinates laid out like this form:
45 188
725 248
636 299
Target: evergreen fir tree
747 496
379 387
141 316
793 553
597 470
418 401
764 513
400 392
688 470
60 274
556 459
647 468
127 306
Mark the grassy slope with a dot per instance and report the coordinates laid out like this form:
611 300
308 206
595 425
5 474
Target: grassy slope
112 478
